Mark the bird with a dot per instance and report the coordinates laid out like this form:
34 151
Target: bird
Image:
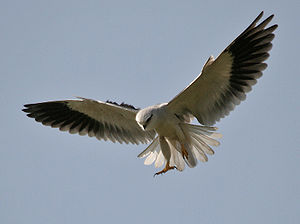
174 140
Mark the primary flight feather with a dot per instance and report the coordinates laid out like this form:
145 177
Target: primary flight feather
222 84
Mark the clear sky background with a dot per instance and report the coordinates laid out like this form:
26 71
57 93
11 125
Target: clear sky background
143 53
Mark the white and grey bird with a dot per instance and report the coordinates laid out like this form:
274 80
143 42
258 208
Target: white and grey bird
221 85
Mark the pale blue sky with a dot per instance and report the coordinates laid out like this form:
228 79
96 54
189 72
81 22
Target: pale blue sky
128 51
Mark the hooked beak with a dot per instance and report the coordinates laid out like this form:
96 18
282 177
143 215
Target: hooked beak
143 126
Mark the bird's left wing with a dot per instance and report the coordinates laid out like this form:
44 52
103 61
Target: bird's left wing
103 120
224 82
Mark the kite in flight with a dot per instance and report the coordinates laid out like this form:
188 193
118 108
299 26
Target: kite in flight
221 85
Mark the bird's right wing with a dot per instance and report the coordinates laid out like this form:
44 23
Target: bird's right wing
224 82
103 120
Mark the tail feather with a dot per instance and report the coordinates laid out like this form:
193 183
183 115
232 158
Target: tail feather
209 141
190 160
199 151
154 154
160 160
200 155
150 148
151 158
202 145
197 144
176 156
177 161
202 138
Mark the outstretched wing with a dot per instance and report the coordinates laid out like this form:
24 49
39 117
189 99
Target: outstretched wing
224 82
95 118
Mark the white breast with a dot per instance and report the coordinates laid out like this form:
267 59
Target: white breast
167 124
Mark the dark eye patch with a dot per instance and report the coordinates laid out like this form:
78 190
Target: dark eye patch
149 118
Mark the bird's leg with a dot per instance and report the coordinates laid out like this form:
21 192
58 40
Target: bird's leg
166 169
184 152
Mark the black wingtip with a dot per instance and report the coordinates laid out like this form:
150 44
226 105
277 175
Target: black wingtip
261 13
259 16
25 110
30 105
269 18
275 26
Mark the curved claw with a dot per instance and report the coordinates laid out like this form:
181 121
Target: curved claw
166 169
184 152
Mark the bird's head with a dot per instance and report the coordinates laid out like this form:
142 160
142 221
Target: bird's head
146 118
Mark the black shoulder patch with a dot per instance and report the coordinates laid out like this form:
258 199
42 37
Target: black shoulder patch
123 105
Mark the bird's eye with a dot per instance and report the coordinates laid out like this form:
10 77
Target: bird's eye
149 118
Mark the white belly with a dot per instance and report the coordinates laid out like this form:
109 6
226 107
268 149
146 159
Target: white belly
168 125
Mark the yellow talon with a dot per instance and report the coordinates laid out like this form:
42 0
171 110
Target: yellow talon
184 152
166 169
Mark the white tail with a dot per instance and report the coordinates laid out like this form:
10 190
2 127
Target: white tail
197 145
